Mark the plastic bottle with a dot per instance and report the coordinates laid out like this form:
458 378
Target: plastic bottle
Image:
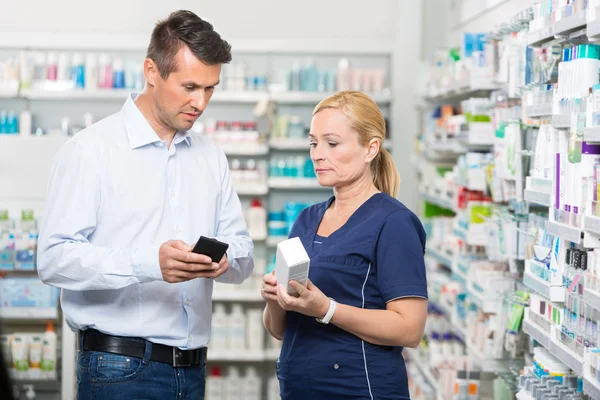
49 349
254 330
343 75
91 72
234 384
256 217
236 329
218 340
273 389
214 384
251 389
64 67
52 66
105 74
78 71
118 74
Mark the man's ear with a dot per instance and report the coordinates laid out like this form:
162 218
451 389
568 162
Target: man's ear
151 71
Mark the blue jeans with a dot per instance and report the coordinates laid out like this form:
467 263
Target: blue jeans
109 376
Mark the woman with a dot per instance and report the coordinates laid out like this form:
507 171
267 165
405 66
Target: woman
366 297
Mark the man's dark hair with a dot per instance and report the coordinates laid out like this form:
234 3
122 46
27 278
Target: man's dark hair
186 28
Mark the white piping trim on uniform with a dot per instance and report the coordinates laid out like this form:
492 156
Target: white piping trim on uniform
363 342
407 297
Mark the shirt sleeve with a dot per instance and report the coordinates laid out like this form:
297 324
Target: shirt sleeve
232 229
66 258
400 257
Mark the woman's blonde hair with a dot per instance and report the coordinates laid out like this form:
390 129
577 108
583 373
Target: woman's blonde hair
366 118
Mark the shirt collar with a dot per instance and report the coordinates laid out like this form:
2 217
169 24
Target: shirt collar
138 128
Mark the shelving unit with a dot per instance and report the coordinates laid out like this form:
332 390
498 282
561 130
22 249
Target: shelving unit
537 197
274 192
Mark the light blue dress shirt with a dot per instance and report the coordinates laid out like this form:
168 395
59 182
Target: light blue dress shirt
116 193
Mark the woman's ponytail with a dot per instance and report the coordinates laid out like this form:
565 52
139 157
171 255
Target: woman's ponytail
385 174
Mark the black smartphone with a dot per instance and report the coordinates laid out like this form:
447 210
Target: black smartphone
210 247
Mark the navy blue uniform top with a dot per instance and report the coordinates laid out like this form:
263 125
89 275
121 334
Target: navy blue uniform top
375 257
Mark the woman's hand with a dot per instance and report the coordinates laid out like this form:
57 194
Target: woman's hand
269 288
310 301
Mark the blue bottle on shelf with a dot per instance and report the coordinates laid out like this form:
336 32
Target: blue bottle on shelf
3 122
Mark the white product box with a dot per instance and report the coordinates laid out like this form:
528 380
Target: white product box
292 263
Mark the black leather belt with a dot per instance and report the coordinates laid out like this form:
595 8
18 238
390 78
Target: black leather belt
98 341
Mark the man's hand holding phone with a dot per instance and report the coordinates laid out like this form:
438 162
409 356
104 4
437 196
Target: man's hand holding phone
179 263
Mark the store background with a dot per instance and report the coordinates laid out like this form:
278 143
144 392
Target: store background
467 328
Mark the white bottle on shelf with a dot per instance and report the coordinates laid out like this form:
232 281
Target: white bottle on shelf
236 329
251 389
255 337
219 332
214 385
233 385
256 217
273 389
49 350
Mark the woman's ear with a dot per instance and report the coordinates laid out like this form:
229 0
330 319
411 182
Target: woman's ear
372 150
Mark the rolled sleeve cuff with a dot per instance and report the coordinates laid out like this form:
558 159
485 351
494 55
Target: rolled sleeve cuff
146 265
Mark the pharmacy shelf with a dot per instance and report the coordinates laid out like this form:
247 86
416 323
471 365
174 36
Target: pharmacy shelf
449 146
539 110
458 274
556 348
251 190
121 94
592 224
569 24
237 296
592 298
423 367
29 313
313 98
439 257
241 355
301 144
488 365
477 89
246 149
562 121
593 29
295 183
540 37
533 330
470 237
294 144
273 240
81 94
566 356
438 201
535 197
563 231
555 294
308 98
591 386
592 135
485 305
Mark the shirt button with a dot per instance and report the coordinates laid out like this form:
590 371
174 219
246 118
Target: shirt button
187 302
336 366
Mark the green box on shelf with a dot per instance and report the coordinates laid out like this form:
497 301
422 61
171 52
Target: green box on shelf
433 210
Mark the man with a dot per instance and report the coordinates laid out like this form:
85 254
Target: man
127 200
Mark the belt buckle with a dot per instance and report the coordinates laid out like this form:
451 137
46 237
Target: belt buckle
176 359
